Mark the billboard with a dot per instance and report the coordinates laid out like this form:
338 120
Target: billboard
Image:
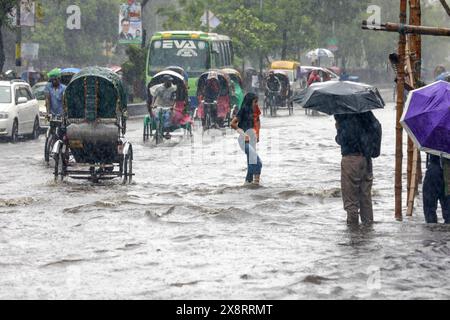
130 23
27 13
30 51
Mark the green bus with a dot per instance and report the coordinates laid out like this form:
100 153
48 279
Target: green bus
195 51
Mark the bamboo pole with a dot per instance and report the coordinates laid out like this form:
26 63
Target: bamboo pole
410 44
408 29
399 129
418 14
411 49
446 7
412 189
415 158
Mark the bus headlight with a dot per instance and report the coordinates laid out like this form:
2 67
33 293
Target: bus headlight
4 115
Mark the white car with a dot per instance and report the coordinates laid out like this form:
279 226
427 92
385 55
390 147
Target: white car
39 92
19 110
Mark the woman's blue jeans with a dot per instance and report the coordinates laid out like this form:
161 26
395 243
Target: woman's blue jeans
254 163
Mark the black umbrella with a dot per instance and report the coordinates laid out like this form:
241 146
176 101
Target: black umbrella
340 97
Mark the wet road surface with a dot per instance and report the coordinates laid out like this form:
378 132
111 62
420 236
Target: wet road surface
187 229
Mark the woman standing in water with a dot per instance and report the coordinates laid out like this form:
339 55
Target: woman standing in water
247 124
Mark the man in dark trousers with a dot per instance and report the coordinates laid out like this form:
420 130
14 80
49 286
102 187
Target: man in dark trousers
359 136
434 190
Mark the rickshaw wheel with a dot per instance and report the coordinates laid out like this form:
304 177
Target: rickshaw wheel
47 149
146 131
158 132
188 129
273 108
207 124
265 107
127 167
59 166
291 108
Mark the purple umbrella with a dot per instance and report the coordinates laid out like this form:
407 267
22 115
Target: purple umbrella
427 118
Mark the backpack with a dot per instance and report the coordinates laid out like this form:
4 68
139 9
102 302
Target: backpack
371 135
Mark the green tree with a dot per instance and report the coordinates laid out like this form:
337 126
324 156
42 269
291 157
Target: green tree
134 69
60 46
247 32
6 7
185 16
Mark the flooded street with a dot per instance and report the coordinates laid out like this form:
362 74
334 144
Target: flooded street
187 229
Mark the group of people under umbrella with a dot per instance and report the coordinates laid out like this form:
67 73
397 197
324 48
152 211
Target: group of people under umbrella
426 118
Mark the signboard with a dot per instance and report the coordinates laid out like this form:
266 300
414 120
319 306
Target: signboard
332 44
27 12
213 20
130 23
184 48
30 51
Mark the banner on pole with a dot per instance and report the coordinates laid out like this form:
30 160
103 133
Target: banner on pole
27 14
130 23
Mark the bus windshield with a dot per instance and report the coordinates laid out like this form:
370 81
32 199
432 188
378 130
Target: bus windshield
191 55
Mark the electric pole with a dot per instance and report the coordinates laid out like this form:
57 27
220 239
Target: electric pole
18 36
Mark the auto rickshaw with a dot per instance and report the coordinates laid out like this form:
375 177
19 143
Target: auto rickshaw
217 112
180 118
292 70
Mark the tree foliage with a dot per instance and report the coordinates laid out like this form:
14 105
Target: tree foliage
99 23
134 69
246 30
269 28
6 7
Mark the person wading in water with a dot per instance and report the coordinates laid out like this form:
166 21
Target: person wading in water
247 124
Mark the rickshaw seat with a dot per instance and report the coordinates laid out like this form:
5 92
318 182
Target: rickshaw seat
178 115
92 132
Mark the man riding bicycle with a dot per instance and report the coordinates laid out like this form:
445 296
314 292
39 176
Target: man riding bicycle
164 97
54 92
272 92
272 83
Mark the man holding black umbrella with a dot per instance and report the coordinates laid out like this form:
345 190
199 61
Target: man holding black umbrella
359 136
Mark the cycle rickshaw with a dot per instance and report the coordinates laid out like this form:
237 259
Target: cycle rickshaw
93 144
154 124
280 99
214 111
238 89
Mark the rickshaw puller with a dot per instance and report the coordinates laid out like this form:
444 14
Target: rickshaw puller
164 95
54 92
273 84
212 91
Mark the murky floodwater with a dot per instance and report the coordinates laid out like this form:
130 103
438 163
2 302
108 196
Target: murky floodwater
187 229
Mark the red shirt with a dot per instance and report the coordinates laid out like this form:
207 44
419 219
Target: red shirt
256 121
314 77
